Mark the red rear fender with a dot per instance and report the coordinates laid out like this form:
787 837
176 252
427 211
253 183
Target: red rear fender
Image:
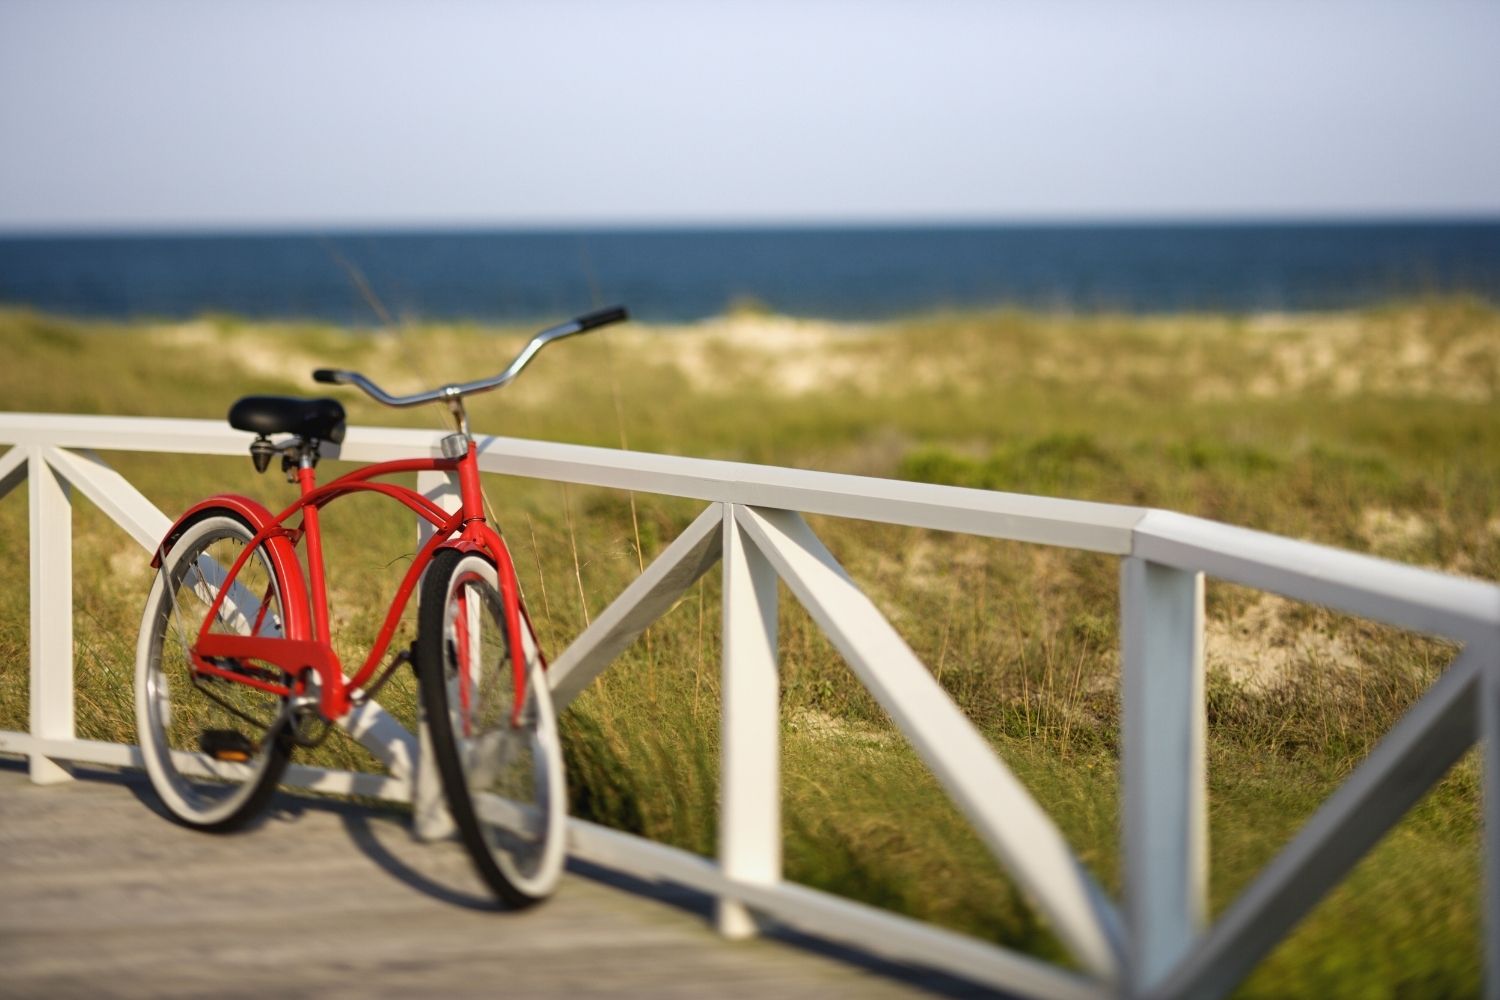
297 617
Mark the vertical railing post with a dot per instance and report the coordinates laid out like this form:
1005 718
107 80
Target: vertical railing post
51 512
430 817
1165 826
1489 734
750 782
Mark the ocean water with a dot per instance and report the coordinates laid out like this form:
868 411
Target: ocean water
685 274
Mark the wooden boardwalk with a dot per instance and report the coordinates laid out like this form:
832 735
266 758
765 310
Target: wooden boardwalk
101 895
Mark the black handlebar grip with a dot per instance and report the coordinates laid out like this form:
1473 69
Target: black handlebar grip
602 317
328 375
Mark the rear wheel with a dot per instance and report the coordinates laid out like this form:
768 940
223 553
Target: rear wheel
214 748
501 765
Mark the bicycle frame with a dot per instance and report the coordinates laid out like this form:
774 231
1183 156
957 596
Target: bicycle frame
306 644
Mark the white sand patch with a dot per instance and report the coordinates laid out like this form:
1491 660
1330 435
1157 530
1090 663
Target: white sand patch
1336 354
1260 648
821 728
1315 352
923 567
1393 534
1343 355
1212 389
789 356
129 567
269 358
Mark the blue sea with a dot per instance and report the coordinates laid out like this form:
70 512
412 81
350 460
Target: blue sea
686 274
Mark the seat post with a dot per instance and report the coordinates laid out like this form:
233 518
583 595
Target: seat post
307 467
307 478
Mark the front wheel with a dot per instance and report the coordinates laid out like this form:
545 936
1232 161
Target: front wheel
501 765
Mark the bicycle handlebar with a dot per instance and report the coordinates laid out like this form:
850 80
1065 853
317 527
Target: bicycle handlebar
600 317
583 324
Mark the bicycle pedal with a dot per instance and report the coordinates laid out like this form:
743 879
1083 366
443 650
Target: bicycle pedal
227 745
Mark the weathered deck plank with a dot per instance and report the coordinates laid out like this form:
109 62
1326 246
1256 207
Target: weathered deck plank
102 896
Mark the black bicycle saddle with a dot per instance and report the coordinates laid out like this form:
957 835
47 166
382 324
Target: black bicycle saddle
312 419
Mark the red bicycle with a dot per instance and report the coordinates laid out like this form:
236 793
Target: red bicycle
235 668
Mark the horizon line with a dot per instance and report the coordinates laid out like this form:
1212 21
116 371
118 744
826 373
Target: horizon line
740 224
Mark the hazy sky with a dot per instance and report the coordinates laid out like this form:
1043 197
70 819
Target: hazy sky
328 114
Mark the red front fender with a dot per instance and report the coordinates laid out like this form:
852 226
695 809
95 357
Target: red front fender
296 616
482 538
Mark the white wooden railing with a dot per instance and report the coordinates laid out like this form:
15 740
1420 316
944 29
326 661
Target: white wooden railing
1158 942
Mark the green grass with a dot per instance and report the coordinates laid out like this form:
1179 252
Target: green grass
1374 430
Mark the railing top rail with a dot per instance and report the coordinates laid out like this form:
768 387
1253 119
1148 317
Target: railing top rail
1410 596
1047 520
1392 592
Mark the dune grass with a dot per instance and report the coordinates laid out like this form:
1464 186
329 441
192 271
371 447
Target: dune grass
1375 431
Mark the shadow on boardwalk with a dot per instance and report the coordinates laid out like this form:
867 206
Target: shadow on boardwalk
102 895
